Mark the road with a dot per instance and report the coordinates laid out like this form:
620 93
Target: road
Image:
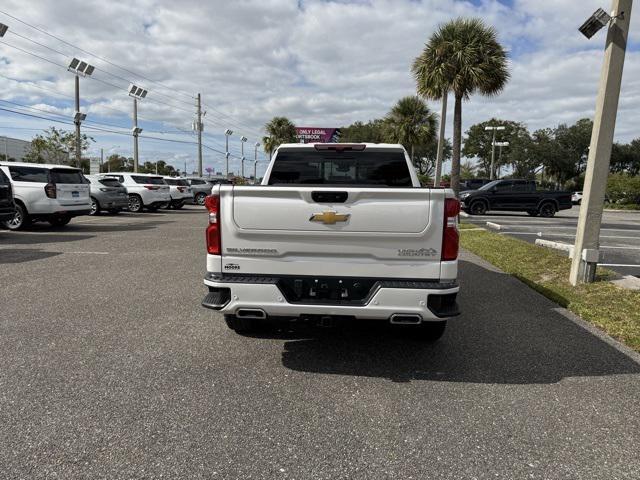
619 236
109 368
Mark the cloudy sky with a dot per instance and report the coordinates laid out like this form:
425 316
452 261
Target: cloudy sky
320 63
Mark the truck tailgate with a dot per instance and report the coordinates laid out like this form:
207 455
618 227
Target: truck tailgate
368 232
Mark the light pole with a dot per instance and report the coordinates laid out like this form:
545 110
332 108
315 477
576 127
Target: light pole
500 145
255 164
493 148
586 252
79 68
138 93
227 134
242 140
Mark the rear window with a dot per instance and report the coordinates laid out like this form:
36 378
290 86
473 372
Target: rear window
310 167
176 181
148 180
66 175
109 182
29 174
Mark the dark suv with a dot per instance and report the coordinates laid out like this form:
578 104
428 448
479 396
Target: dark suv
7 207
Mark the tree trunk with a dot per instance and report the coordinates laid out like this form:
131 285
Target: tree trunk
457 140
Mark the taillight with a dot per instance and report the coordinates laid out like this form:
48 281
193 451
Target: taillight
50 190
181 189
450 236
212 202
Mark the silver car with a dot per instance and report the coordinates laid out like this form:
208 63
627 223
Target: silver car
107 193
200 188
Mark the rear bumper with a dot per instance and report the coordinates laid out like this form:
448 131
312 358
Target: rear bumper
432 301
107 203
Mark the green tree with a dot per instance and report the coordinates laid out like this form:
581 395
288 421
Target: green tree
118 163
467 170
625 158
373 131
477 144
279 130
411 123
56 146
463 57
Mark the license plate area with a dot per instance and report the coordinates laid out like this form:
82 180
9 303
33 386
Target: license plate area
327 290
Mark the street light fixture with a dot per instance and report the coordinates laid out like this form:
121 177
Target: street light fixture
80 68
594 23
3 29
227 134
137 93
493 147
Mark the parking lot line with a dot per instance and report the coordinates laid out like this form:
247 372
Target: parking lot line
618 265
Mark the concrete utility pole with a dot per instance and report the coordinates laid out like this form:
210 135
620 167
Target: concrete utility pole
586 249
440 154
101 158
77 120
255 163
135 134
199 127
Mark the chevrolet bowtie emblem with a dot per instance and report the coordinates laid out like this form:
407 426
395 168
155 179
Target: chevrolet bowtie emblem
329 217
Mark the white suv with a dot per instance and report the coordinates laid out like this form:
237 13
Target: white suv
54 193
145 190
180 191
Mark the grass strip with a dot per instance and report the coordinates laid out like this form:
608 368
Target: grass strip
611 308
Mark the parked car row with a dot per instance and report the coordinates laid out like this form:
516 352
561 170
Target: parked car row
56 193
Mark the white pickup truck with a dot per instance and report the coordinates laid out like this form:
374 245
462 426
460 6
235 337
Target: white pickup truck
335 232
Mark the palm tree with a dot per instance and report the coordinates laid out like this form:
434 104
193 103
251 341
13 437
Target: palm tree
279 130
463 57
411 123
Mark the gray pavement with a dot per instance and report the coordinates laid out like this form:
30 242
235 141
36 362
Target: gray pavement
109 368
619 236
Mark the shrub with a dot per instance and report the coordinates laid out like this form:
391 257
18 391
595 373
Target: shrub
623 189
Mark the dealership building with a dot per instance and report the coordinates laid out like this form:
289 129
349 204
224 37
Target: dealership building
14 148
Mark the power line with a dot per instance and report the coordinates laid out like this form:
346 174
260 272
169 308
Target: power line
240 125
96 56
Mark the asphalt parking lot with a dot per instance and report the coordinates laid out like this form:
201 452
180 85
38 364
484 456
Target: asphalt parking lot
109 368
620 234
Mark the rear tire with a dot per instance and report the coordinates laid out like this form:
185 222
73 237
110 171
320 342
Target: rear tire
547 210
95 207
20 219
432 331
478 208
135 203
200 198
60 221
241 326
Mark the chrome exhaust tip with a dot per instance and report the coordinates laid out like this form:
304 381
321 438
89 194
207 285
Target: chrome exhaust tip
251 313
405 319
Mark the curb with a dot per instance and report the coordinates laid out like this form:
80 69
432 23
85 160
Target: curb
495 226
